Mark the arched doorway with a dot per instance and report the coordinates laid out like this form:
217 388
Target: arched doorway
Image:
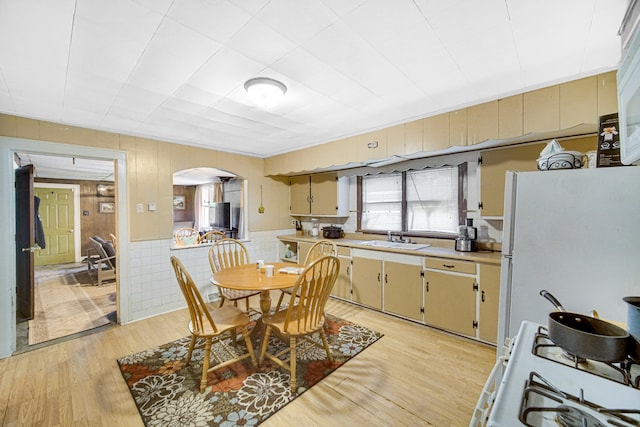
208 198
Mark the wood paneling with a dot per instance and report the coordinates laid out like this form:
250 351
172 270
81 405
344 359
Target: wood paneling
95 223
186 214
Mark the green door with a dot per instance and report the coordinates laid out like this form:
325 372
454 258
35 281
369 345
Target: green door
56 212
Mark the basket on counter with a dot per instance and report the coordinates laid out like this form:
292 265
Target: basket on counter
560 160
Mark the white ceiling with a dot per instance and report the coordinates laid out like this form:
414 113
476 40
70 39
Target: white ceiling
174 69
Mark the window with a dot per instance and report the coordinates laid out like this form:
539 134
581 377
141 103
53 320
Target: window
382 202
422 202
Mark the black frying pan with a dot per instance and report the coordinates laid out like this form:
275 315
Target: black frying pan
586 336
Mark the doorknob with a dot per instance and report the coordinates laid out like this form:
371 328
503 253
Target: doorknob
31 248
71 230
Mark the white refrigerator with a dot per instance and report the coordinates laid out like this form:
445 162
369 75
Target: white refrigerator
575 233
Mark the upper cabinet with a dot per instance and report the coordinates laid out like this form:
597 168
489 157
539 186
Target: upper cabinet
482 122
551 109
320 194
542 110
579 102
510 117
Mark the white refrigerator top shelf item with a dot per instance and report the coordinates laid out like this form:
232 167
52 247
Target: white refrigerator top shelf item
575 234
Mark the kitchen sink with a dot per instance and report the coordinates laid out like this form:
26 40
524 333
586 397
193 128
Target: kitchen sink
394 245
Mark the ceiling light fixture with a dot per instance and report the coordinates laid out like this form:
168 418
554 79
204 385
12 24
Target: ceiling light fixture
264 91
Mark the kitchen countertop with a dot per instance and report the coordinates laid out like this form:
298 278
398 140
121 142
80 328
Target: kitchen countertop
487 257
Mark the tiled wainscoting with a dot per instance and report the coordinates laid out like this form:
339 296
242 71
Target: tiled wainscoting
152 285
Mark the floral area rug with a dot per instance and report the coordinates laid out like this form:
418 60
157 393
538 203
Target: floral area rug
166 391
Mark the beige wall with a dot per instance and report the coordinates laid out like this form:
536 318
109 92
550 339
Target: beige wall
150 167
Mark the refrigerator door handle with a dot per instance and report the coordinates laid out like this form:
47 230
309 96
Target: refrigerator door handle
511 179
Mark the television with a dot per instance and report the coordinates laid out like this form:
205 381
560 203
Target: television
220 215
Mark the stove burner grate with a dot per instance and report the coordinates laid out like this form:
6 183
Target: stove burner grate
547 349
541 398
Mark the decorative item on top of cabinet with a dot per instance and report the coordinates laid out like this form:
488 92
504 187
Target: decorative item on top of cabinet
320 194
450 295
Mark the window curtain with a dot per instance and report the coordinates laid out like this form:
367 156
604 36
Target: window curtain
241 213
206 194
218 192
200 220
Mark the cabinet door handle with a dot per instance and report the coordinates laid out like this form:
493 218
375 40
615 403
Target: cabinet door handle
448 266
378 277
385 278
427 286
482 296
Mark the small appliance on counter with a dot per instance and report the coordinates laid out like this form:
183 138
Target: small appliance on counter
332 232
467 235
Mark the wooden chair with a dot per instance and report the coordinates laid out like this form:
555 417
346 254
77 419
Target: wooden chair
186 236
298 322
211 236
114 241
226 253
317 250
101 258
213 325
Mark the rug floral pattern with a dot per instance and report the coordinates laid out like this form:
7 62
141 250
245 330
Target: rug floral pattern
166 391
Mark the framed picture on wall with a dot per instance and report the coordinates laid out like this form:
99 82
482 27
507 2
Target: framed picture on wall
107 207
178 202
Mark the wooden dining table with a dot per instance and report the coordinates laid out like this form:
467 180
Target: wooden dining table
248 278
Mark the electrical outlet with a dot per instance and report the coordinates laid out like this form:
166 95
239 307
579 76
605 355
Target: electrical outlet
293 222
139 208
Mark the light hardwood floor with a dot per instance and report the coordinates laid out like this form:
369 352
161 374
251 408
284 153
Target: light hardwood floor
413 376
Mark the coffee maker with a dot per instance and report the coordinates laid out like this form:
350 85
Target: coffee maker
467 235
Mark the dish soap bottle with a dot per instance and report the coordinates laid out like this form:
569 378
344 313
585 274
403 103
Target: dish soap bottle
287 251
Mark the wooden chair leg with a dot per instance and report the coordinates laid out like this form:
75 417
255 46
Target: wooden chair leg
279 301
222 299
292 364
265 343
191 346
247 340
205 364
247 301
326 345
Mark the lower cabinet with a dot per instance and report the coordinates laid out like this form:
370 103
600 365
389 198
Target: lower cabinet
455 295
403 288
450 302
342 287
489 299
303 250
366 282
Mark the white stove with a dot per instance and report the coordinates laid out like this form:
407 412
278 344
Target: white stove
544 386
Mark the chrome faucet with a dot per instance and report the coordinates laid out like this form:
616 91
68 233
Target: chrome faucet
397 237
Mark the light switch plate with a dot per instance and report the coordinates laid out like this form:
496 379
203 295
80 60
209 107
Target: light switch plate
139 208
152 207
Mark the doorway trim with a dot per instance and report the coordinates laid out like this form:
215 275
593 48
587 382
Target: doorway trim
11 145
77 256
